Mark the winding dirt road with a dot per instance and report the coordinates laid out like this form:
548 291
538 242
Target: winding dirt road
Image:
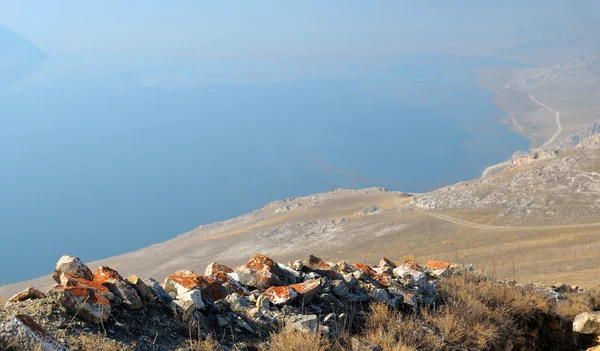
559 129
550 141
496 227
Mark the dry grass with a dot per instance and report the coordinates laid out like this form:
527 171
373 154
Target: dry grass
577 303
408 258
92 342
208 344
296 341
477 313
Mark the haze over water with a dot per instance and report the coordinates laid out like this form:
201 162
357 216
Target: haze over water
98 164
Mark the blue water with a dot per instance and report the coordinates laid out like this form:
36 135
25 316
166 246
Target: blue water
96 167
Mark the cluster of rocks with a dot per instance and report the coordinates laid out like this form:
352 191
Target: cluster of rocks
248 302
557 188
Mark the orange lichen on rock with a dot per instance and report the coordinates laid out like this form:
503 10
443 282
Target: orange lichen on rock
384 279
281 295
434 264
212 289
315 262
214 268
261 262
187 279
104 274
232 285
365 268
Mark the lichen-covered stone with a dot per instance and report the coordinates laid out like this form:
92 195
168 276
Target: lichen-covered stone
71 266
216 267
85 303
315 264
260 272
182 281
21 332
112 280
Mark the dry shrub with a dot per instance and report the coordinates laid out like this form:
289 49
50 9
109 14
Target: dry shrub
392 331
475 313
288 340
208 344
408 258
578 302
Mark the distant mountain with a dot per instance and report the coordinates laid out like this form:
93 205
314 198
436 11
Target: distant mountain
16 49
19 58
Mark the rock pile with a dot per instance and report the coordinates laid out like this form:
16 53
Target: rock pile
311 296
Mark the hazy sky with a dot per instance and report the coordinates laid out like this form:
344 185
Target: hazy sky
275 28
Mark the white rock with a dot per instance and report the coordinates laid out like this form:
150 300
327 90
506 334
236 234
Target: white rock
23 331
189 302
587 323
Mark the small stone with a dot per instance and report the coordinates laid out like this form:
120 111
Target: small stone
260 272
141 288
157 290
222 321
71 266
281 295
181 282
434 264
237 301
22 331
84 302
303 323
341 288
112 280
381 295
344 267
587 323
316 265
29 293
188 302
216 267
351 280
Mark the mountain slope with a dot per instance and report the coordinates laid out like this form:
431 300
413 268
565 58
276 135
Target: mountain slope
525 223
16 49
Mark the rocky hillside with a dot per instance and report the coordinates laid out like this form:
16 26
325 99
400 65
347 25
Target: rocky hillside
578 136
565 72
302 305
549 187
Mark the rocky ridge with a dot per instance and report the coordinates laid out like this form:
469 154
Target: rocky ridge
239 307
245 303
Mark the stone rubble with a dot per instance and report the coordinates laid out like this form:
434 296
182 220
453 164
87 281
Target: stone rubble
311 296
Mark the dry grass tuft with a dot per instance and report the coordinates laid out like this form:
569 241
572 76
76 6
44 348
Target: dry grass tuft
577 303
408 258
208 344
390 330
475 312
296 341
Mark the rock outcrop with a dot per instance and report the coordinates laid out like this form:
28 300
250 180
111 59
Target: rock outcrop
306 296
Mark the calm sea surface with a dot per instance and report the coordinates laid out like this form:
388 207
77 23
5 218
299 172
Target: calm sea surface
96 165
